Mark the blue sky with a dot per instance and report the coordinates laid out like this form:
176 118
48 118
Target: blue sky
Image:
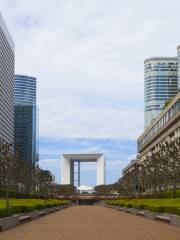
88 59
50 150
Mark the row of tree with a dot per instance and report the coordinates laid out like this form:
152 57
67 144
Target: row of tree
158 171
110 189
21 175
17 174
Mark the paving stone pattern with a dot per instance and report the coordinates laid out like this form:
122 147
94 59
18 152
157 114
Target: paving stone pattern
92 223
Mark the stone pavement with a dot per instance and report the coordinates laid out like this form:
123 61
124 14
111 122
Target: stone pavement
92 223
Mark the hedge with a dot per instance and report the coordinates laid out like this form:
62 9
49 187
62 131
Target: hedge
166 194
28 205
171 206
16 194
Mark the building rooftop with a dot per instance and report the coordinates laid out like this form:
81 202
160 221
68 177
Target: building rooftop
151 59
129 165
24 75
83 156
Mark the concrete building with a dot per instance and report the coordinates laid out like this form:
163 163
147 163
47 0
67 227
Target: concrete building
165 127
160 84
129 167
25 118
70 167
178 59
7 49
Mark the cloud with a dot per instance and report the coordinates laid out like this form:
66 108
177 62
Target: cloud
49 161
117 152
67 118
88 58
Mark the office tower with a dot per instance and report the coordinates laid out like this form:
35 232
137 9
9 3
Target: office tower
25 118
160 84
6 84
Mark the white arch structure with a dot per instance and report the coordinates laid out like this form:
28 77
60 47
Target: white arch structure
67 167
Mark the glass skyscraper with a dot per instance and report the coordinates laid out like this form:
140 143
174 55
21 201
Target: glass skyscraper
25 118
160 83
6 84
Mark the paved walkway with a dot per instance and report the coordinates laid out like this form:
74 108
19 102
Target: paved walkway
92 223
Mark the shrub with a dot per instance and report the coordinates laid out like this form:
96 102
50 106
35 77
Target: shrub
16 194
129 205
15 210
39 206
27 205
171 205
49 205
25 209
3 212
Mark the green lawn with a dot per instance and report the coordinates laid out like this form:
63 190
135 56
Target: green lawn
28 202
27 205
171 205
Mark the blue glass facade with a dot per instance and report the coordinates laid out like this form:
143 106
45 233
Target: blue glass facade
25 118
160 84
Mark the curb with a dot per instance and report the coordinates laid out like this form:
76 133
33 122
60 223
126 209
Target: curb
172 219
15 220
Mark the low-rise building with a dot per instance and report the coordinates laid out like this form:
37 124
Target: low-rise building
129 167
165 127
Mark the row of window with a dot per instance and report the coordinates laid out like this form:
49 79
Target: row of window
160 95
7 86
160 73
160 88
153 109
164 81
167 117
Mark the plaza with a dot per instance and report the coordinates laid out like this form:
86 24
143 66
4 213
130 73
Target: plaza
92 222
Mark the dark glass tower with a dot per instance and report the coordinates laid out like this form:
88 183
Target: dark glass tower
25 118
6 84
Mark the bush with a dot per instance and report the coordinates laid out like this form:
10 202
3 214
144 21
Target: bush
27 205
16 194
171 205
39 206
25 209
15 210
49 205
129 205
166 194
3 213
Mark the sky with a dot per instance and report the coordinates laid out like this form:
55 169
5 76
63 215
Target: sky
88 59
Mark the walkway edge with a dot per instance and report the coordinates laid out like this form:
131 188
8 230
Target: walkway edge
15 220
165 217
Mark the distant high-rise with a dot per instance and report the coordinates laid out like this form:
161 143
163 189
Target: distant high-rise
6 84
160 84
25 118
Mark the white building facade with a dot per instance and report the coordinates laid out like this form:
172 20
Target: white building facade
160 84
7 51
